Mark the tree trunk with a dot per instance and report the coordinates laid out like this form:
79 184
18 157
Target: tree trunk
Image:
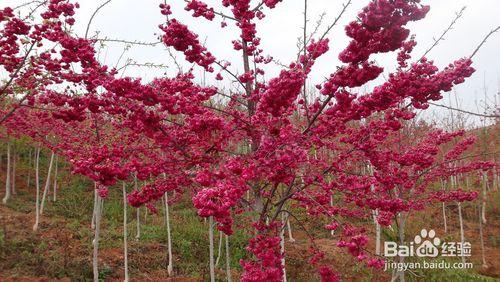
95 259
454 183
332 232
37 184
137 216
13 178
483 198
219 251
170 266
289 227
54 196
460 219
228 261
94 212
7 177
47 183
282 244
398 274
211 248
375 216
443 186
125 250
377 233
483 258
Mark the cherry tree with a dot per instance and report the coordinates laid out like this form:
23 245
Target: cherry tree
286 150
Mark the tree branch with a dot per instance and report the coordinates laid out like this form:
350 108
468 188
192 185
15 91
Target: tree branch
464 111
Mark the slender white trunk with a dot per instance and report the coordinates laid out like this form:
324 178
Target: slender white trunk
375 216
332 232
211 248
7 178
219 251
228 261
483 198
94 211
377 232
454 183
483 258
443 187
54 195
398 273
462 236
125 250
47 183
282 244
170 266
13 178
137 216
95 258
289 227
37 184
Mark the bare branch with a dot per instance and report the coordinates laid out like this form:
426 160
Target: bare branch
458 15
484 41
133 42
93 15
464 111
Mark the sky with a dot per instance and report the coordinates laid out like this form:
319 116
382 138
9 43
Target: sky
139 20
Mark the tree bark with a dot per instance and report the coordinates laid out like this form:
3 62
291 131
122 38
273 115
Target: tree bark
13 178
95 258
37 184
289 227
443 186
460 219
481 239
211 248
282 244
7 177
94 211
125 249
454 182
54 196
47 183
219 251
375 216
170 265
483 198
137 216
228 261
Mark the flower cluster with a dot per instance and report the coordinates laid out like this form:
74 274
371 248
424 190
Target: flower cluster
200 9
178 36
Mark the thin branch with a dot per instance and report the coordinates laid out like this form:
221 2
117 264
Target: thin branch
458 15
147 65
484 41
6 116
92 17
28 3
14 75
133 42
464 111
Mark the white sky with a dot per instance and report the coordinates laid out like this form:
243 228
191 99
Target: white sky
139 20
